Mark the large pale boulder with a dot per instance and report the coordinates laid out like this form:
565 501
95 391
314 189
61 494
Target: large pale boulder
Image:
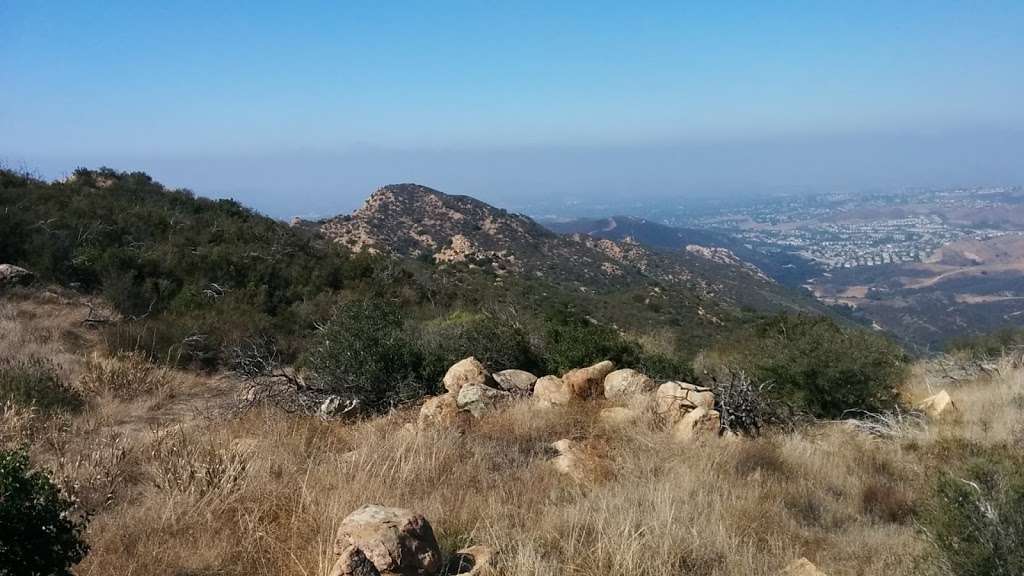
465 372
937 405
440 410
552 390
801 567
390 541
626 383
697 423
516 381
619 416
588 382
11 275
478 399
672 400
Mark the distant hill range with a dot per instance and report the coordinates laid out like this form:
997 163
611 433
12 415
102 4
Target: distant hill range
783 267
416 221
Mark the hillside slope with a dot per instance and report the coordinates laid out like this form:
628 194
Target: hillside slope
416 221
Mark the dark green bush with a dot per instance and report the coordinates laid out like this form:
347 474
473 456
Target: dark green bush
976 516
496 343
38 534
572 340
366 351
990 345
816 365
36 382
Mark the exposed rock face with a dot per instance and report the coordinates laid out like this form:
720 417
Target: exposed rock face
391 541
588 382
672 400
478 399
518 381
625 383
552 390
937 405
466 372
801 567
697 423
11 275
440 410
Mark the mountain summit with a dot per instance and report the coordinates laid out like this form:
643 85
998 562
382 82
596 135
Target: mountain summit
416 221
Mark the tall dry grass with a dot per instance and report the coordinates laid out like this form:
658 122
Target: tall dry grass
185 486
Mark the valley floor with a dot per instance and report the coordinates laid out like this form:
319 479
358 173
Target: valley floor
182 482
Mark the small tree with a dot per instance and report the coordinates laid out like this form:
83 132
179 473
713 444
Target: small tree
365 352
38 535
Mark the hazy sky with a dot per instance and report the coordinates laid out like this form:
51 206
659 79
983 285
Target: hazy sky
306 108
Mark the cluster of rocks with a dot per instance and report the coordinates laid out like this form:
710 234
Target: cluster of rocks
380 541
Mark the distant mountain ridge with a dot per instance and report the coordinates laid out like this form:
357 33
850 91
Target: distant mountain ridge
416 221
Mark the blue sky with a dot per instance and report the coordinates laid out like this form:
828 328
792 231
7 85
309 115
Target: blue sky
485 98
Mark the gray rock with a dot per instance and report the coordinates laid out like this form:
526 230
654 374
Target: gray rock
11 275
478 400
519 381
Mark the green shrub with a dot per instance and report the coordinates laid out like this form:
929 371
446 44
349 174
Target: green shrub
572 340
990 345
365 351
816 365
976 516
497 344
36 382
38 534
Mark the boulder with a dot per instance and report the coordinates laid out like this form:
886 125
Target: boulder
517 381
478 399
935 406
674 399
579 462
472 561
625 383
697 423
588 382
11 275
552 390
801 567
380 540
465 372
440 410
619 416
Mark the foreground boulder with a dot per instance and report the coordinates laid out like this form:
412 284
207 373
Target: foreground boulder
673 400
478 399
379 540
552 390
626 383
466 372
585 383
801 567
11 275
440 410
516 381
697 423
935 406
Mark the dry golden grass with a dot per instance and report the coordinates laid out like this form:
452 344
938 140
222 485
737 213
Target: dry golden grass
184 486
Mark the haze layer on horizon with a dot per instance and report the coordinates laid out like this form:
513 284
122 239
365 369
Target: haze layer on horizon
307 109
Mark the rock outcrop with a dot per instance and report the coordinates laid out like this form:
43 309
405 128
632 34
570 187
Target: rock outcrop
472 561
626 384
552 390
697 423
478 399
386 541
673 400
585 383
516 381
440 410
468 371
801 567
